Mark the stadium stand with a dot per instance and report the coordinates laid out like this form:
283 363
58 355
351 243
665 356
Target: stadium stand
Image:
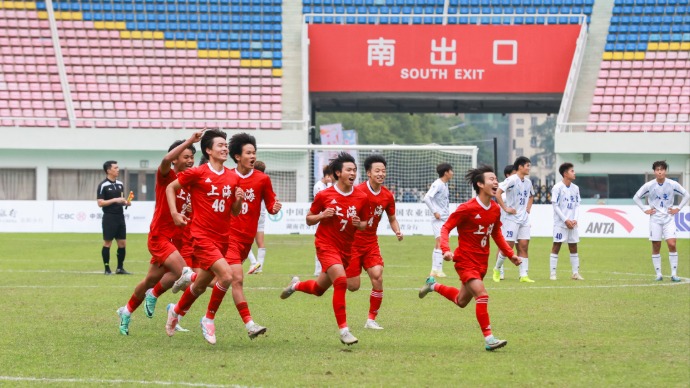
459 11
142 63
643 81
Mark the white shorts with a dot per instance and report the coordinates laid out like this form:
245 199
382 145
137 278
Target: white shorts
513 231
658 232
563 234
436 225
262 222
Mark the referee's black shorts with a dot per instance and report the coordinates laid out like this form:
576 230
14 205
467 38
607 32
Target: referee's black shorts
114 227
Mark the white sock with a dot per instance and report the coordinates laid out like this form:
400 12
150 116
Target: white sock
502 270
575 262
251 258
249 324
499 260
656 260
553 261
344 330
673 259
524 267
261 255
437 260
317 265
126 310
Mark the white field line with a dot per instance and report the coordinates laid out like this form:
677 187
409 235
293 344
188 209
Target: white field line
105 381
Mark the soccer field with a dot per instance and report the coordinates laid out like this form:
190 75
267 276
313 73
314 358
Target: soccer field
617 328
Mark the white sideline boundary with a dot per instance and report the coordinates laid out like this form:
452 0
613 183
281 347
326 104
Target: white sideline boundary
105 381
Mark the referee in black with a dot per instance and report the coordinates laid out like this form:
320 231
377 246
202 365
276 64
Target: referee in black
111 198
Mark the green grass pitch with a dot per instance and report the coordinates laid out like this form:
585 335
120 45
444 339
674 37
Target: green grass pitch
617 328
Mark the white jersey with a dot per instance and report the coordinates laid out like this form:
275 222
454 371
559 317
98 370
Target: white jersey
660 197
566 203
438 199
518 192
318 186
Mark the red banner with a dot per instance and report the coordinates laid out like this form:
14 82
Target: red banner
433 58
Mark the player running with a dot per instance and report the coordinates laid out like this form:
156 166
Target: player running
325 182
476 220
365 251
257 263
338 211
165 238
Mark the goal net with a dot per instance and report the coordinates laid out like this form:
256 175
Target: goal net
410 169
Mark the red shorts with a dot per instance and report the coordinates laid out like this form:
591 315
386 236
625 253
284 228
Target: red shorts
207 252
187 252
363 257
237 252
331 256
161 248
468 271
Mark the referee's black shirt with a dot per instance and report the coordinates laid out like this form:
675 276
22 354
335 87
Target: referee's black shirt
108 190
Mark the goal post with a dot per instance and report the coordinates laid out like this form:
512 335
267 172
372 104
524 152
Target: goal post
410 169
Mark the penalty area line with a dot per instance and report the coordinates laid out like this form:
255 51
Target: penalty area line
106 381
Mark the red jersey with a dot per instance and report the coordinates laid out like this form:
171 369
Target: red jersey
338 231
475 223
212 199
257 187
162 223
379 202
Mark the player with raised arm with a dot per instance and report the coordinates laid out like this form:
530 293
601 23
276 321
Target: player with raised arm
660 193
565 197
164 240
325 182
499 274
257 188
365 251
215 196
437 199
475 220
517 206
257 263
338 210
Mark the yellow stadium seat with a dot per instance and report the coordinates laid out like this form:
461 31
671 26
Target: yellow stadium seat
125 35
628 56
245 63
99 25
652 46
214 54
277 72
120 25
136 34
42 15
190 45
674 46
234 54
147 35
266 63
202 53
256 63
607 56
663 46
77 16
110 25
169 44
617 56
639 55
30 5
224 54
8 4
685 46
158 35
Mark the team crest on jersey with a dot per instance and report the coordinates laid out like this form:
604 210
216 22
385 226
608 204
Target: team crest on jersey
351 212
249 195
378 211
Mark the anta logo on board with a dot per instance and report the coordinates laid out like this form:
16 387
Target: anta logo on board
619 216
682 221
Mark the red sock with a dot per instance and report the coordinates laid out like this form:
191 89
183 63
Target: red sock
216 298
339 289
158 290
375 300
451 293
185 302
310 287
482 311
243 308
133 303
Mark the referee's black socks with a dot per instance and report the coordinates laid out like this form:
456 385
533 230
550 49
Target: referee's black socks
120 257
